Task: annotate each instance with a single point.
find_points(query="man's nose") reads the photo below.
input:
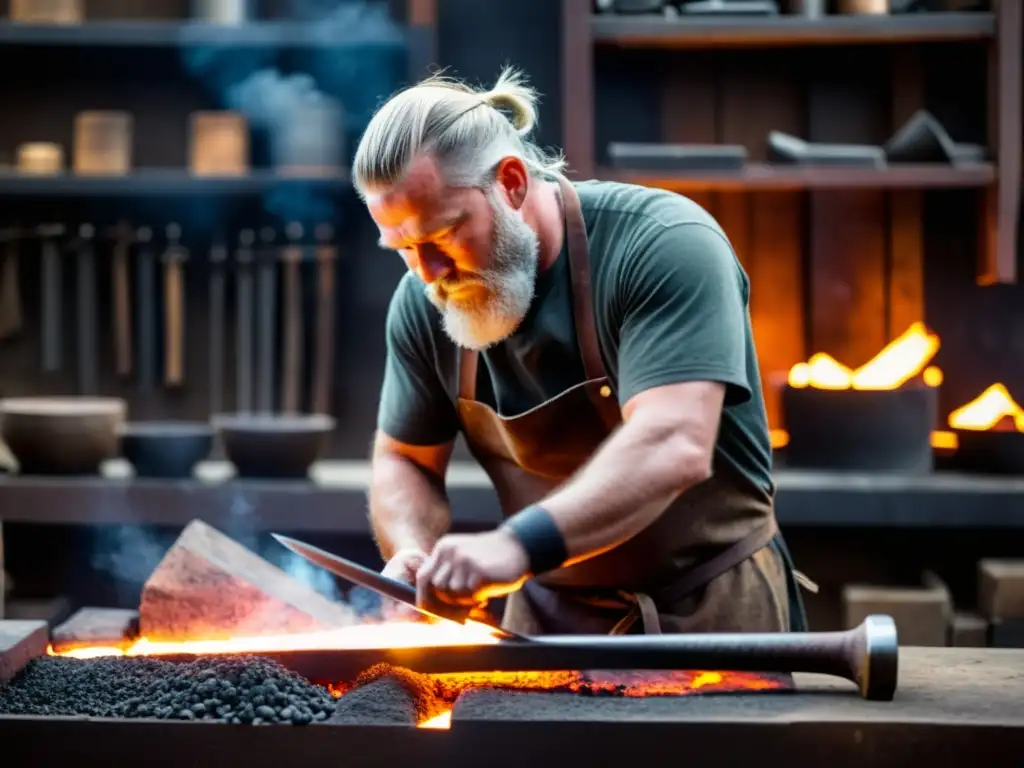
(432, 264)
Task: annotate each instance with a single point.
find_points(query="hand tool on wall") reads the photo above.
(146, 288)
(243, 321)
(52, 299)
(294, 332)
(326, 254)
(218, 257)
(88, 383)
(174, 257)
(267, 278)
(11, 318)
(122, 308)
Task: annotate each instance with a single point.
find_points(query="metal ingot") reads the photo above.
(47, 11)
(103, 143)
(221, 11)
(218, 144)
(866, 7)
(40, 158)
(311, 140)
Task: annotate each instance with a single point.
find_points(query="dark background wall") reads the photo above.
(982, 329)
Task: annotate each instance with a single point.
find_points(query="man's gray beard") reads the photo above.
(509, 285)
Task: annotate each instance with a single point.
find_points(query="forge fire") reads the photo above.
(248, 689)
(185, 655)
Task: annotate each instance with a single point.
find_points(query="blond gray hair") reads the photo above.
(466, 130)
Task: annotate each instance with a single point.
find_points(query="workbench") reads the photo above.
(953, 707)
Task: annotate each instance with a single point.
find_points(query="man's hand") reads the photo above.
(403, 567)
(469, 569)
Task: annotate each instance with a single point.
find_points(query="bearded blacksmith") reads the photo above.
(592, 343)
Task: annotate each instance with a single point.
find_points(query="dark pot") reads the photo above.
(166, 449)
(860, 430)
(271, 446)
(62, 435)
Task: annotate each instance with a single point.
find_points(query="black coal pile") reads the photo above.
(387, 695)
(250, 690)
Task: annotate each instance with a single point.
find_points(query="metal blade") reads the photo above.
(380, 584)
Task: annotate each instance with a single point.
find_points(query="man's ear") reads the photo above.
(513, 180)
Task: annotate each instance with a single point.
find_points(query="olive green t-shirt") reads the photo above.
(671, 305)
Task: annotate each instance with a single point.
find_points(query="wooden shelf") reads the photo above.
(759, 176)
(160, 183)
(174, 34)
(737, 31)
(335, 499)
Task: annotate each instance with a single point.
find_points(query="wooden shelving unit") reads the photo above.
(779, 177)
(158, 33)
(701, 32)
(1001, 30)
(162, 183)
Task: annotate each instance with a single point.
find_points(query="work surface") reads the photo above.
(936, 685)
(953, 707)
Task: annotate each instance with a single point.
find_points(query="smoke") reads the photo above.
(354, 59)
(128, 553)
(242, 529)
(269, 99)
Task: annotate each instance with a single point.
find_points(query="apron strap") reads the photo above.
(644, 606)
(579, 271)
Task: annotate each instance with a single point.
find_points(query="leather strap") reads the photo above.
(582, 298)
(582, 293)
(467, 373)
(645, 606)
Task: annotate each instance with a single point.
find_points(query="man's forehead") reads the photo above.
(420, 192)
(417, 207)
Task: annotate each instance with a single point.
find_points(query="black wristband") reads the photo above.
(536, 531)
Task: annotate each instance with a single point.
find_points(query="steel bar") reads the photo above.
(326, 255)
(145, 286)
(866, 655)
(88, 383)
(174, 308)
(294, 332)
(52, 298)
(121, 305)
(267, 283)
(218, 256)
(243, 322)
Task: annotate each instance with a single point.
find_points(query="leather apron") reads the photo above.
(713, 561)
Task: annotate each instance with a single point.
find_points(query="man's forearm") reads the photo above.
(408, 506)
(627, 484)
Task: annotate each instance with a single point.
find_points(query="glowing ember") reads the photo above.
(630, 684)
(902, 359)
(362, 636)
(992, 409)
(444, 689)
(440, 723)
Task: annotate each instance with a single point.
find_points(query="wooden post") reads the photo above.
(765, 227)
(1001, 201)
(906, 235)
(847, 234)
(578, 89)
